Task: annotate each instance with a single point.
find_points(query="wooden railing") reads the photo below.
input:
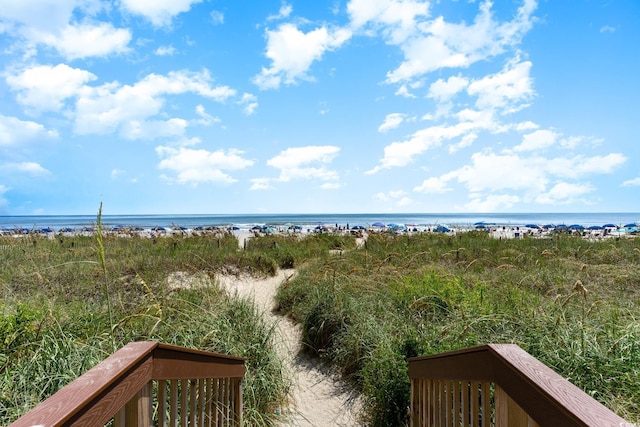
(498, 385)
(148, 383)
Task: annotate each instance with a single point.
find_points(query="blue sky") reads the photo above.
(212, 107)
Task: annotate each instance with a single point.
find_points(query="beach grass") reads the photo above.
(572, 304)
(68, 303)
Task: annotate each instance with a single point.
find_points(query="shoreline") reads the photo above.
(243, 232)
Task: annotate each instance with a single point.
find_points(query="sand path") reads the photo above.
(318, 398)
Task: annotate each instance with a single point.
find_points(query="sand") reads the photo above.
(318, 398)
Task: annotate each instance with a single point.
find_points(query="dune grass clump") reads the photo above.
(68, 303)
(569, 302)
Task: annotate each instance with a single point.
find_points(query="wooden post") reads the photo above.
(137, 412)
(509, 413)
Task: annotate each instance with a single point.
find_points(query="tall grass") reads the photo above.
(67, 303)
(572, 304)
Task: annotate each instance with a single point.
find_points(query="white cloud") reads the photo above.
(45, 88)
(14, 131)
(433, 185)
(217, 18)
(116, 173)
(297, 163)
(45, 15)
(564, 193)
(443, 91)
(398, 154)
(284, 12)
(506, 90)
(391, 121)
(538, 140)
(608, 29)
(30, 168)
(434, 44)
(113, 107)
(87, 40)
(397, 197)
(250, 103)
(205, 119)
(165, 51)
(201, 166)
(158, 12)
(397, 19)
(261, 184)
(502, 180)
(292, 52)
(492, 203)
(635, 182)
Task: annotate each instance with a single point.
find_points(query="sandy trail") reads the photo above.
(318, 398)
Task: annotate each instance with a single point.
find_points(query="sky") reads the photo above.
(342, 106)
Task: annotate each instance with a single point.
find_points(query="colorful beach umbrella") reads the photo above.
(377, 224)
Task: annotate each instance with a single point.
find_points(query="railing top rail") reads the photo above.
(94, 397)
(546, 396)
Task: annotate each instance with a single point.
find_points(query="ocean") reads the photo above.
(246, 221)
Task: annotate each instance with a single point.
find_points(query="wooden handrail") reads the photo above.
(546, 397)
(95, 397)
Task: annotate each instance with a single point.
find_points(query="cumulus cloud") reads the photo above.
(500, 180)
(538, 140)
(284, 12)
(433, 44)
(45, 87)
(88, 40)
(165, 50)
(397, 197)
(396, 19)
(201, 166)
(433, 185)
(113, 107)
(159, 12)
(444, 90)
(292, 52)
(68, 26)
(14, 131)
(302, 163)
(30, 168)
(635, 182)
(217, 17)
(509, 90)
(391, 121)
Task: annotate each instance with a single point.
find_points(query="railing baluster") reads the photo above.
(173, 403)
(184, 402)
(193, 402)
(162, 403)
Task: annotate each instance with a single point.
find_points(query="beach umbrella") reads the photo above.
(595, 227)
(576, 227)
(377, 224)
(479, 223)
(609, 226)
(532, 226)
(357, 227)
(630, 225)
(561, 226)
(235, 227)
(548, 226)
(480, 227)
(47, 230)
(441, 229)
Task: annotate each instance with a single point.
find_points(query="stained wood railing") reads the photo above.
(498, 385)
(148, 383)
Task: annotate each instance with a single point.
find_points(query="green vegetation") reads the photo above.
(573, 304)
(68, 303)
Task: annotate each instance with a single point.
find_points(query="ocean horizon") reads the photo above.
(57, 222)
